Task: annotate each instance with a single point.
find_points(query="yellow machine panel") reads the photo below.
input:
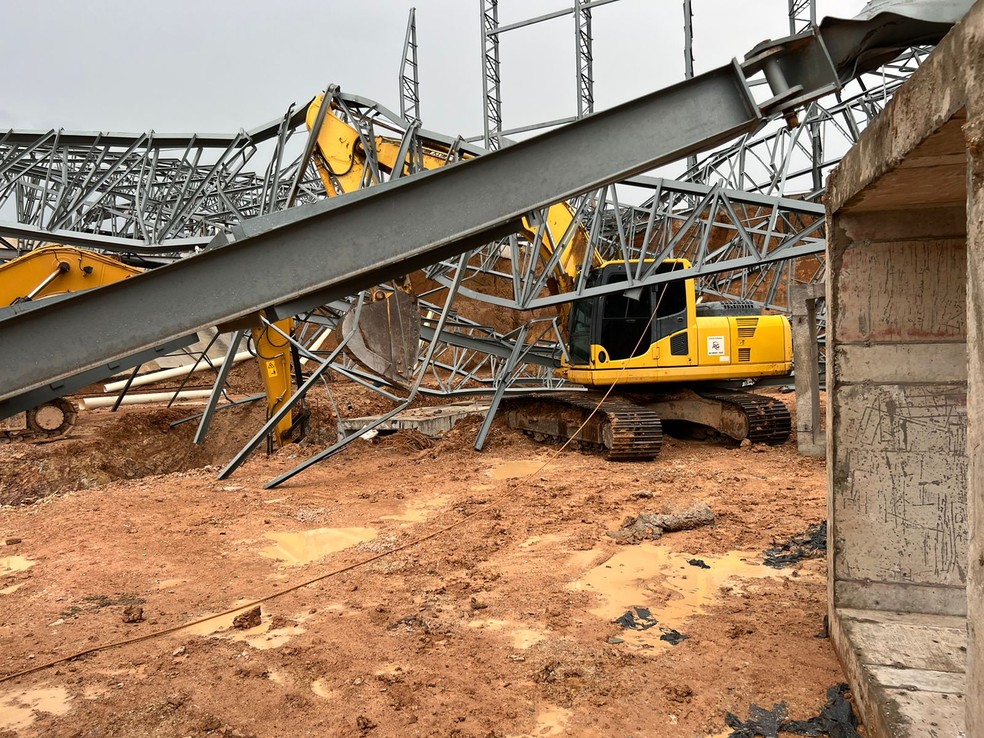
(655, 335)
(54, 270)
(273, 355)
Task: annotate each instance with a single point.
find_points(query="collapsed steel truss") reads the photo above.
(747, 216)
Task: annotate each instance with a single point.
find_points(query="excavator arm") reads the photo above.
(56, 270)
(343, 165)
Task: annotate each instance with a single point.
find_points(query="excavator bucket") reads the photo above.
(387, 337)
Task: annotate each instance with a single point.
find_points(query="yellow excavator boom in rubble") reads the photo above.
(342, 164)
(55, 270)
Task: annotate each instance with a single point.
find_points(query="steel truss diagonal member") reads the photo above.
(313, 254)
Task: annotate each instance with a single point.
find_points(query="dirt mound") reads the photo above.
(134, 443)
(465, 431)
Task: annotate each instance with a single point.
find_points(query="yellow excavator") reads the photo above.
(45, 272)
(667, 353)
(55, 270)
(670, 359)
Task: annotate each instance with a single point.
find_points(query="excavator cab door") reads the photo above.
(580, 333)
(625, 329)
(670, 304)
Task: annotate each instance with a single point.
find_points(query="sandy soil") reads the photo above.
(502, 626)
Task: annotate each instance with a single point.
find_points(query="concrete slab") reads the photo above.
(430, 421)
(907, 671)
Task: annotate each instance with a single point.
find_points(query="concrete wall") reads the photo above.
(898, 407)
(975, 403)
(906, 399)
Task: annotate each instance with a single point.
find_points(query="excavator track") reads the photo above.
(737, 415)
(769, 420)
(623, 430)
(45, 422)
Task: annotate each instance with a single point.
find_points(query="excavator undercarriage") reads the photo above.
(626, 427)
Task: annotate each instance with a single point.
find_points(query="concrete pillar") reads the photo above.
(975, 431)
(810, 436)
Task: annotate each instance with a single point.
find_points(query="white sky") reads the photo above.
(221, 65)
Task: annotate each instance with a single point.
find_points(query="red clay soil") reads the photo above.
(502, 626)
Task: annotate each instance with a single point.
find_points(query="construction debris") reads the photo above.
(836, 719)
(642, 619)
(133, 614)
(651, 526)
(809, 545)
(672, 636)
(246, 620)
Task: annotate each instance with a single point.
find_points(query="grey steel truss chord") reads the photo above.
(491, 74)
(218, 388)
(688, 54)
(409, 80)
(802, 16)
(501, 384)
(583, 58)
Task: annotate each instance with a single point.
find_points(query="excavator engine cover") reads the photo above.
(387, 337)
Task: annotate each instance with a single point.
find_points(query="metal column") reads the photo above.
(491, 74)
(409, 80)
(584, 58)
(802, 15)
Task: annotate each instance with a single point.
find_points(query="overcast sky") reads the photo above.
(221, 65)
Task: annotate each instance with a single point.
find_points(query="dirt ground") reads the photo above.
(501, 626)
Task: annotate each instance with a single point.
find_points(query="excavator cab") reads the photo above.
(635, 325)
(658, 334)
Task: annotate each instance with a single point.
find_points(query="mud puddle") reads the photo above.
(305, 547)
(664, 583)
(13, 564)
(263, 637)
(18, 710)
